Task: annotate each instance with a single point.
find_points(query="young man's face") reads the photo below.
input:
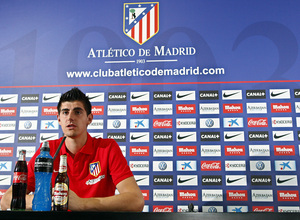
(73, 119)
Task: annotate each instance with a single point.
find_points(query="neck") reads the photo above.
(75, 144)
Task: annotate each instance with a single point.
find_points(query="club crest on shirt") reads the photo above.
(95, 168)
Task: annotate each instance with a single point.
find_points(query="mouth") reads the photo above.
(71, 126)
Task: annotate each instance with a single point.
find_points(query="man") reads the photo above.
(90, 189)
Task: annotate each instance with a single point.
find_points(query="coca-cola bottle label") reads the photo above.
(20, 177)
(60, 195)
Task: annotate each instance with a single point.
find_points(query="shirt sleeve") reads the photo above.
(119, 169)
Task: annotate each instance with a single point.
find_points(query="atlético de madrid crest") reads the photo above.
(140, 21)
(95, 168)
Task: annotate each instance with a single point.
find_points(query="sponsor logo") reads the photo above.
(209, 123)
(232, 108)
(117, 96)
(162, 109)
(161, 96)
(232, 94)
(143, 180)
(49, 111)
(187, 180)
(9, 99)
(256, 94)
(236, 209)
(280, 94)
(235, 165)
(30, 98)
(262, 195)
(48, 136)
(285, 165)
(185, 95)
(98, 110)
(210, 150)
(96, 124)
(139, 123)
(5, 166)
(210, 136)
(288, 195)
(139, 165)
(186, 165)
(139, 96)
(257, 122)
(5, 180)
(139, 136)
(260, 165)
(116, 110)
(145, 194)
(8, 111)
(163, 208)
(187, 195)
(209, 180)
(297, 93)
(235, 150)
(186, 109)
(233, 122)
(258, 135)
(7, 138)
(284, 150)
(162, 123)
(234, 136)
(209, 95)
(29, 111)
(7, 125)
(282, 122)
(162, 151)
(139, 151)
(256, 108)
(237, 195)
(212, 195)
(162, 165)
(281, 107)
(163, 180)
(186, 136)
(49, 125)
(236, 180)
(116, 124)
(283, 135)
(29, 150)
(162, 136)
(262, 208)
(26, 138)
(6, 151)
(186, 150)
(211, 166)
(27, 125)
(286, 180)
(139, 109)
(118, 137)
(163, 195)
(51, 97)
(185, 122)
(95, 96)
(259, 150)
(261, 180)
(209, 108)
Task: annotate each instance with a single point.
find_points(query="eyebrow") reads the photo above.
(75, 109)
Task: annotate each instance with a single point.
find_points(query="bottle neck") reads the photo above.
(22, 156)
(63, 164)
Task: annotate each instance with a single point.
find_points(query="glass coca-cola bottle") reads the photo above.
(61, 187)
(19, 186)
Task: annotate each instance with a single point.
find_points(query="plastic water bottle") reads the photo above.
(43, 168)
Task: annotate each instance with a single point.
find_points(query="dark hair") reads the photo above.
(75, 94)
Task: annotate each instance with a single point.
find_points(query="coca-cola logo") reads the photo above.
(263, 209)
(257, 122)
(210, 165)
(162, 123)
(162, 208)
(20, 177)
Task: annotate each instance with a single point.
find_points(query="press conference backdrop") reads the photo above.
(203, 97)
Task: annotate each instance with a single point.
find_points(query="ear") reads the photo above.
(90, 118)
(58, 118)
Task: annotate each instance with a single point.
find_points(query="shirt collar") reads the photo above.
(86, 149)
